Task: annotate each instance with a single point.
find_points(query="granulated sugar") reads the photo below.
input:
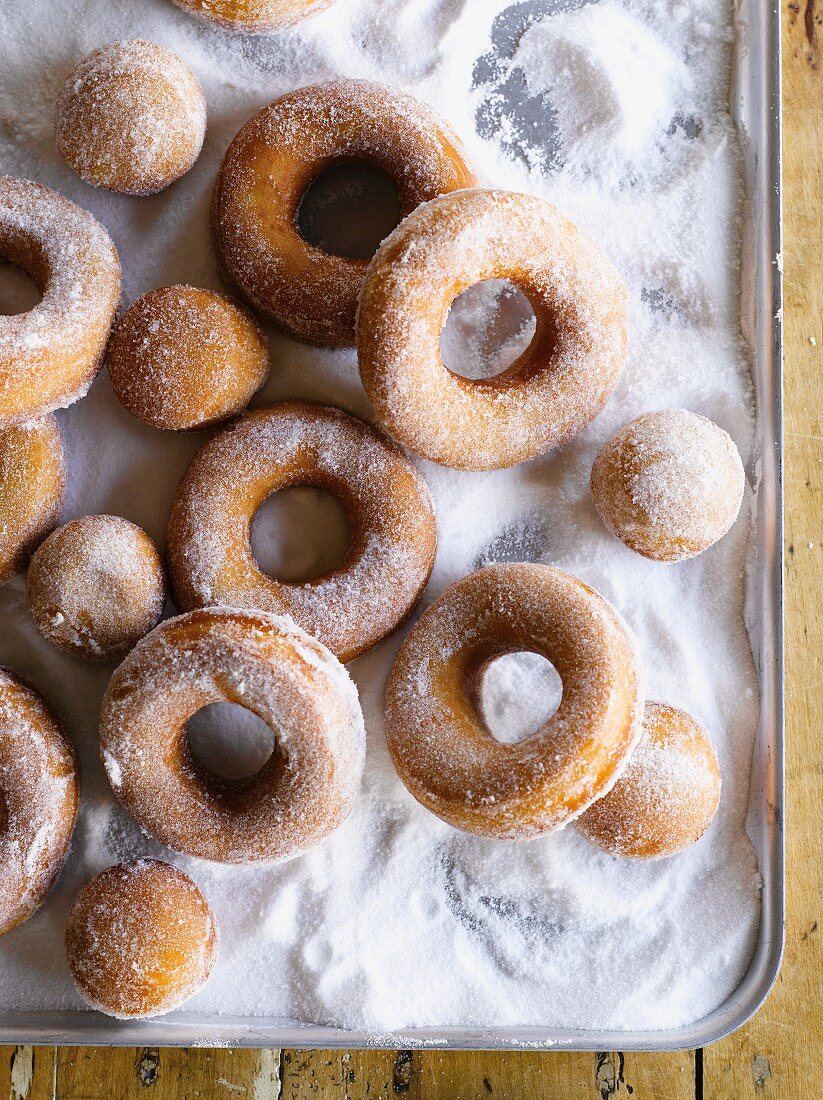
(615, 111)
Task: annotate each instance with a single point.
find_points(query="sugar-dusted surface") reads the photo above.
(253, 16)
(479, 937)
(39, 792)
(131, 117)
(32, 484)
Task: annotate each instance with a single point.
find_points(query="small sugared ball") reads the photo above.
(669, 484)
(667, 796)
(131, 117)
(253, 16)
(96, 586)
(141, 939)
(182, 357)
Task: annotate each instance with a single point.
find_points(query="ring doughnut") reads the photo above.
(32, 482)
(131, 118)
(551, 392)
(253, 16)
(669, 484)
(267, 664)
(181, 358)
(50, 355)
(39, 795)
(438, 741)
(140, 939)
(270, 165)
(390, 512)
(95, 586)
(668, 794)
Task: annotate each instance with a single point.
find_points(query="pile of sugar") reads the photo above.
(397, 920)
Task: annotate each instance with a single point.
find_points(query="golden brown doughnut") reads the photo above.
(551, 392)
(140, 939)
(391, 515)
(270, 165)
(39, 794)
(268, 665)
(669, 484)
(182, 357)
(131, 117)
(50, 355)
(253, 16)
(32, 482)
(438, 740)
(96, 586)
(666, 797)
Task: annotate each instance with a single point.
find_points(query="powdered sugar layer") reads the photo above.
(552, 932)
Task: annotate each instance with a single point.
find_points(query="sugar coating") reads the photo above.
(548, 395)
(39, 793)
(670, 484)
(271, 163)
(141, 939)
(131, 117)
(436, 733)
(268, 665)
(96, 585)
(50, 354)
(253, 16)
(182, 357)
(392, 518)
(667, 795)
(32, 484)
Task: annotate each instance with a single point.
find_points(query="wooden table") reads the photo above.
(774, 1055)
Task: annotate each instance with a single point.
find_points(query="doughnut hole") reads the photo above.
(140, 939)
(229, 741)
(348, 209)
(19, 293)
(489, 326)
(300, 534)
(517, 693)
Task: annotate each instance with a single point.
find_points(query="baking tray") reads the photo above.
(755, 106)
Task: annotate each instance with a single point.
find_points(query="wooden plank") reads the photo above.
(770, 1057)
(458, 1075)
(151, 1073)
(27, 1073)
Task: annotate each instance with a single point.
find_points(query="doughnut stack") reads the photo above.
(641, 779)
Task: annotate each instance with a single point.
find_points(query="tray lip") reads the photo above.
(182, 1029)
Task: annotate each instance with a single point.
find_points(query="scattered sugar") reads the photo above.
(396, 920)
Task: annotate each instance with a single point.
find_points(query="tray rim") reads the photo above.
(87, 1028)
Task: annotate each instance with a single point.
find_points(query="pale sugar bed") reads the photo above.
(397, 920)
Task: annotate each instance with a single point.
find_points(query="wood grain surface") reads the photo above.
(772, 1056)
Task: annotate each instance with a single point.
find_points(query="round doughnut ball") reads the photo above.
(131, 118)
(667, 796)
(39, 794)
(182, 357)
(670, 484)
(253, 16)
(32, 480)
(96, 586)
(140, 939)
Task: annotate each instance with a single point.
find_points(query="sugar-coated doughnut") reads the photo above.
(32, 482)
(666, 797)
(438, 740)
(39, 794)
(669, 484)
(253, 16)
(390, 512)
(551, 391)
(182, 357)
(268, 665)
(270, 165)
(140, 939)
(96, 586)
(131, 117)
(50, 355)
